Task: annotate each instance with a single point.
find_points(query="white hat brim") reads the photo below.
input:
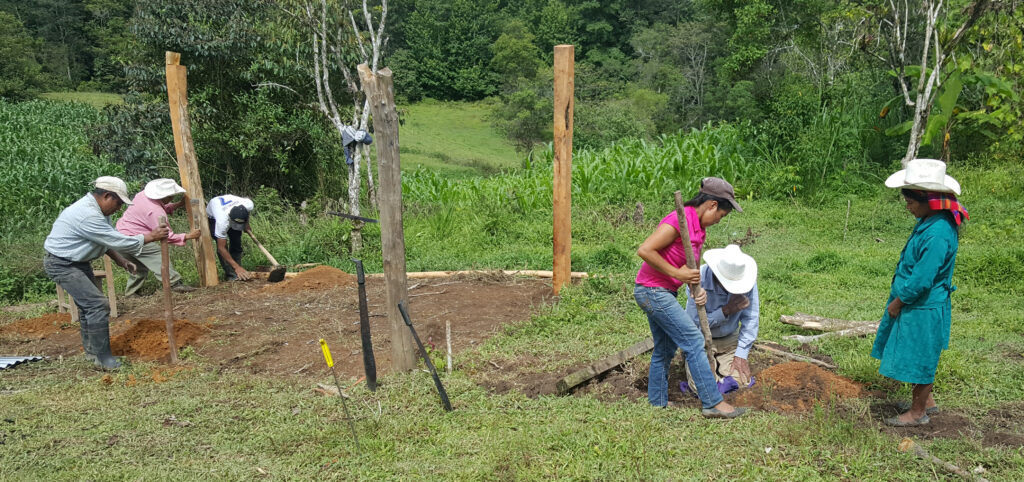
(743, 285)
(898, 180)
(154, 191)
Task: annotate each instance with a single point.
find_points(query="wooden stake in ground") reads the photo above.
(562, 165)
(330, 364)
(448, 341)
(165, 276)
(188, 167)
(691, 261)
(380, 96)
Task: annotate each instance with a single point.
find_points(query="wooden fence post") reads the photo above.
(379, 91)
(562, 201)
(177, 99)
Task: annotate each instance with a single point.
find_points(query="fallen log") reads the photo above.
(820, 323)
(794, 356)
(574, 379)
(908, 445)
(865, 329)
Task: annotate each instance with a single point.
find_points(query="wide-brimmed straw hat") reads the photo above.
(734, 269)
(161, 188)
(925, 175)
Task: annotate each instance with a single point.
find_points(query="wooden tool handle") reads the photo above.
(165, 277)
(691, 262)
(264, 250)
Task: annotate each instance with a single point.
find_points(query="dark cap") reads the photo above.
(720, 188)
(239, 215)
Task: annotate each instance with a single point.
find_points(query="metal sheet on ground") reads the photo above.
(10, 361)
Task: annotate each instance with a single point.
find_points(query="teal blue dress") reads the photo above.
(910, 344)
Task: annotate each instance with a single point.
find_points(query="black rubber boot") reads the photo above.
(85, 342)
(98, 337)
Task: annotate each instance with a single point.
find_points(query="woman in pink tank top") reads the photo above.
(657, 283)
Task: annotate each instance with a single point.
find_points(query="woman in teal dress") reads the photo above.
(915, 326)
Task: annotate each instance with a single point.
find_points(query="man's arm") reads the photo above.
(222, 248)
(750, 319)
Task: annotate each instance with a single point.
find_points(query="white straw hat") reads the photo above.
(926, 175)
(161, 188)
(735, 270)
(114, 185)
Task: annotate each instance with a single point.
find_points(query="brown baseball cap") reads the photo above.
(720, 188)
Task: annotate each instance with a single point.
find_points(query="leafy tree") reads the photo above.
(19, 72)
(64, 53)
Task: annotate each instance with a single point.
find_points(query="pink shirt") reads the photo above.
(673, 253)
(143, 216)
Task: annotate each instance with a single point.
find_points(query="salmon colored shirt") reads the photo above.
(673, 253)
(143, 216)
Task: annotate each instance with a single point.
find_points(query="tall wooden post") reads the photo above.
(564, 88)
(177, 99)
(380, 93)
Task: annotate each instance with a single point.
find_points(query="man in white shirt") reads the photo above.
(228, 216)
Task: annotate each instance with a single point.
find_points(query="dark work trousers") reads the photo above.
(234, 249)
(76, 278)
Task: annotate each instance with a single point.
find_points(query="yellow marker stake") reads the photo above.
(330, 364)
(327, 353)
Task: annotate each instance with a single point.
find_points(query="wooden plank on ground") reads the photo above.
(794, 356)
(820, 323)
(576, 378)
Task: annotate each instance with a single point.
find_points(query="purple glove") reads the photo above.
(726, 385)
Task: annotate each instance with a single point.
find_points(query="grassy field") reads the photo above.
(455, 138)
(63, 420)
(98, 100)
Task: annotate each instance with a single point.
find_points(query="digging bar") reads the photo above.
(165, 275)
(691, 261)
(369, 363)
(426, 359)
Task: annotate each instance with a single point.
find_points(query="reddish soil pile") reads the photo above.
(319, 278)
(41, 327)
(796, 387)
(147, 339)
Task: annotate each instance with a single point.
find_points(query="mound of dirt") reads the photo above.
(319, 278)
(41, 327)
(147, 339)
(796, 387)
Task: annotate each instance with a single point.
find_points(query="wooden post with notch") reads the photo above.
(188, 167)
(562, 201)
(379, 90)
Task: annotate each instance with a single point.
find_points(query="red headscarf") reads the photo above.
(946, 201)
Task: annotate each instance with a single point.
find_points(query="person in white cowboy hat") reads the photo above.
(734, 311)
(81, 234)
(916, 322)
(143, 215)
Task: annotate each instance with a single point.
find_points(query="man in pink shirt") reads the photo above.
(142, 217)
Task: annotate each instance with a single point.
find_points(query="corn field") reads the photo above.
(628, 171)
(45, 162)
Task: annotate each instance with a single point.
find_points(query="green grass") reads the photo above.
(67, 424)
(454, 138)
(98, 100)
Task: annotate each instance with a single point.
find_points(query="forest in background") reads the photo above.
(810, 82)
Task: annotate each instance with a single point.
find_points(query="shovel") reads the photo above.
(276, 274)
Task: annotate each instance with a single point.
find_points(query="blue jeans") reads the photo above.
(672, 328)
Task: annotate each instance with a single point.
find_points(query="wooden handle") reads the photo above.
(691, 262)
(165, 277)
(264, 250)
